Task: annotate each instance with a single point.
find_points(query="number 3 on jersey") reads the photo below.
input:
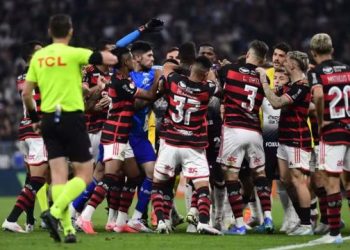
(182, 113)
(251, 97)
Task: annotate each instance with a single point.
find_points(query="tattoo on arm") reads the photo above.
(276, 101)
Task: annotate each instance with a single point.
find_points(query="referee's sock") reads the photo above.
(69, 192)
(41, 196)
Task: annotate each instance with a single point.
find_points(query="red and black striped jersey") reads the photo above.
(119, 121)
(94, 120)
(25, 126)
(293, 129)
(188, 101)
(334, 78)
(243, 96)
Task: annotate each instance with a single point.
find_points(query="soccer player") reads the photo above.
(96, 79)
(115, 132)
(331, 95)
(143, 154)
(270, 120)
(173, 53)
(294, 148)
(55, 70)
(185, 139)
(214, 129)
(35, 157)
(241, 134)
(207, 50)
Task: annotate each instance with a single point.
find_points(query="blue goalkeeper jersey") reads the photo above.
(142, 80)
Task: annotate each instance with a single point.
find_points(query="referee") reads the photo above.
(56, 70)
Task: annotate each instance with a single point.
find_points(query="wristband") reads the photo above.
(33, 115)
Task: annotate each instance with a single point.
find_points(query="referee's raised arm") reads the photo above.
(56, 70)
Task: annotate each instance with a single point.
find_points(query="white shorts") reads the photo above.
(95, 143)
(237, 144)
(114, 151)
(37, 153)
(314, 159)
(193, 161)
(129, 152)
(296, 157)
(334, 158)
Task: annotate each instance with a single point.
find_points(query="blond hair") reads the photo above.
(301, 58)
(321, 43)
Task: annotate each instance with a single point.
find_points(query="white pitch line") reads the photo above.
(296, 246)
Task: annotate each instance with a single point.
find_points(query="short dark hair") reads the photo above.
(140, 47)
(119, 52)
(170, 61)
(203, 62)
(172, 49)
(27, 49)
(60, 25)
(206, 45)
(285, 47)
(101, 44)
(187, 53)
(260, 48)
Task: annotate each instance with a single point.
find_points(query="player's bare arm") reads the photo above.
(277, 102)
(318, 100)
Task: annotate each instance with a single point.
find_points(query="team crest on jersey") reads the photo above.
(327, 70)
(182, 84)
(244, 70)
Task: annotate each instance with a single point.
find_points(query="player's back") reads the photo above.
(188, 105)
(56, 69)
(243, 96)
(335, 80)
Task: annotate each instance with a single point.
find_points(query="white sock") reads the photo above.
(188, 196)
(88, 212)
(239, 222)
(194, 211)
(267, 214)
(72, 211)
(282, 192)
(255, 208)
(112, 215)
(122, 218)
(137, 215)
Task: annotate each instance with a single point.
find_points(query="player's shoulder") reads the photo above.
(330, 67)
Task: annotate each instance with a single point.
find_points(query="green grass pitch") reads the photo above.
(39, 239)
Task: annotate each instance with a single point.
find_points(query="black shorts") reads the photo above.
(271, 163)
(66, 138)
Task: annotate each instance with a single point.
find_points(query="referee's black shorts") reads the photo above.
(67, 137)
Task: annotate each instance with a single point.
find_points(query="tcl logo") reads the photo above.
(51, 61)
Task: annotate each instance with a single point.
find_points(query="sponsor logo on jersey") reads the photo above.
(244, 70)
(327, 70)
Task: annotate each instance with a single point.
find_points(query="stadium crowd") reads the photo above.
(228, 25)
(229, 119)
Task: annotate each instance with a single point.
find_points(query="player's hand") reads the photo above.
(153, 25)
(37, 127)
(101, 82)
(262, 74)
(103, 103)
(224, 62)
